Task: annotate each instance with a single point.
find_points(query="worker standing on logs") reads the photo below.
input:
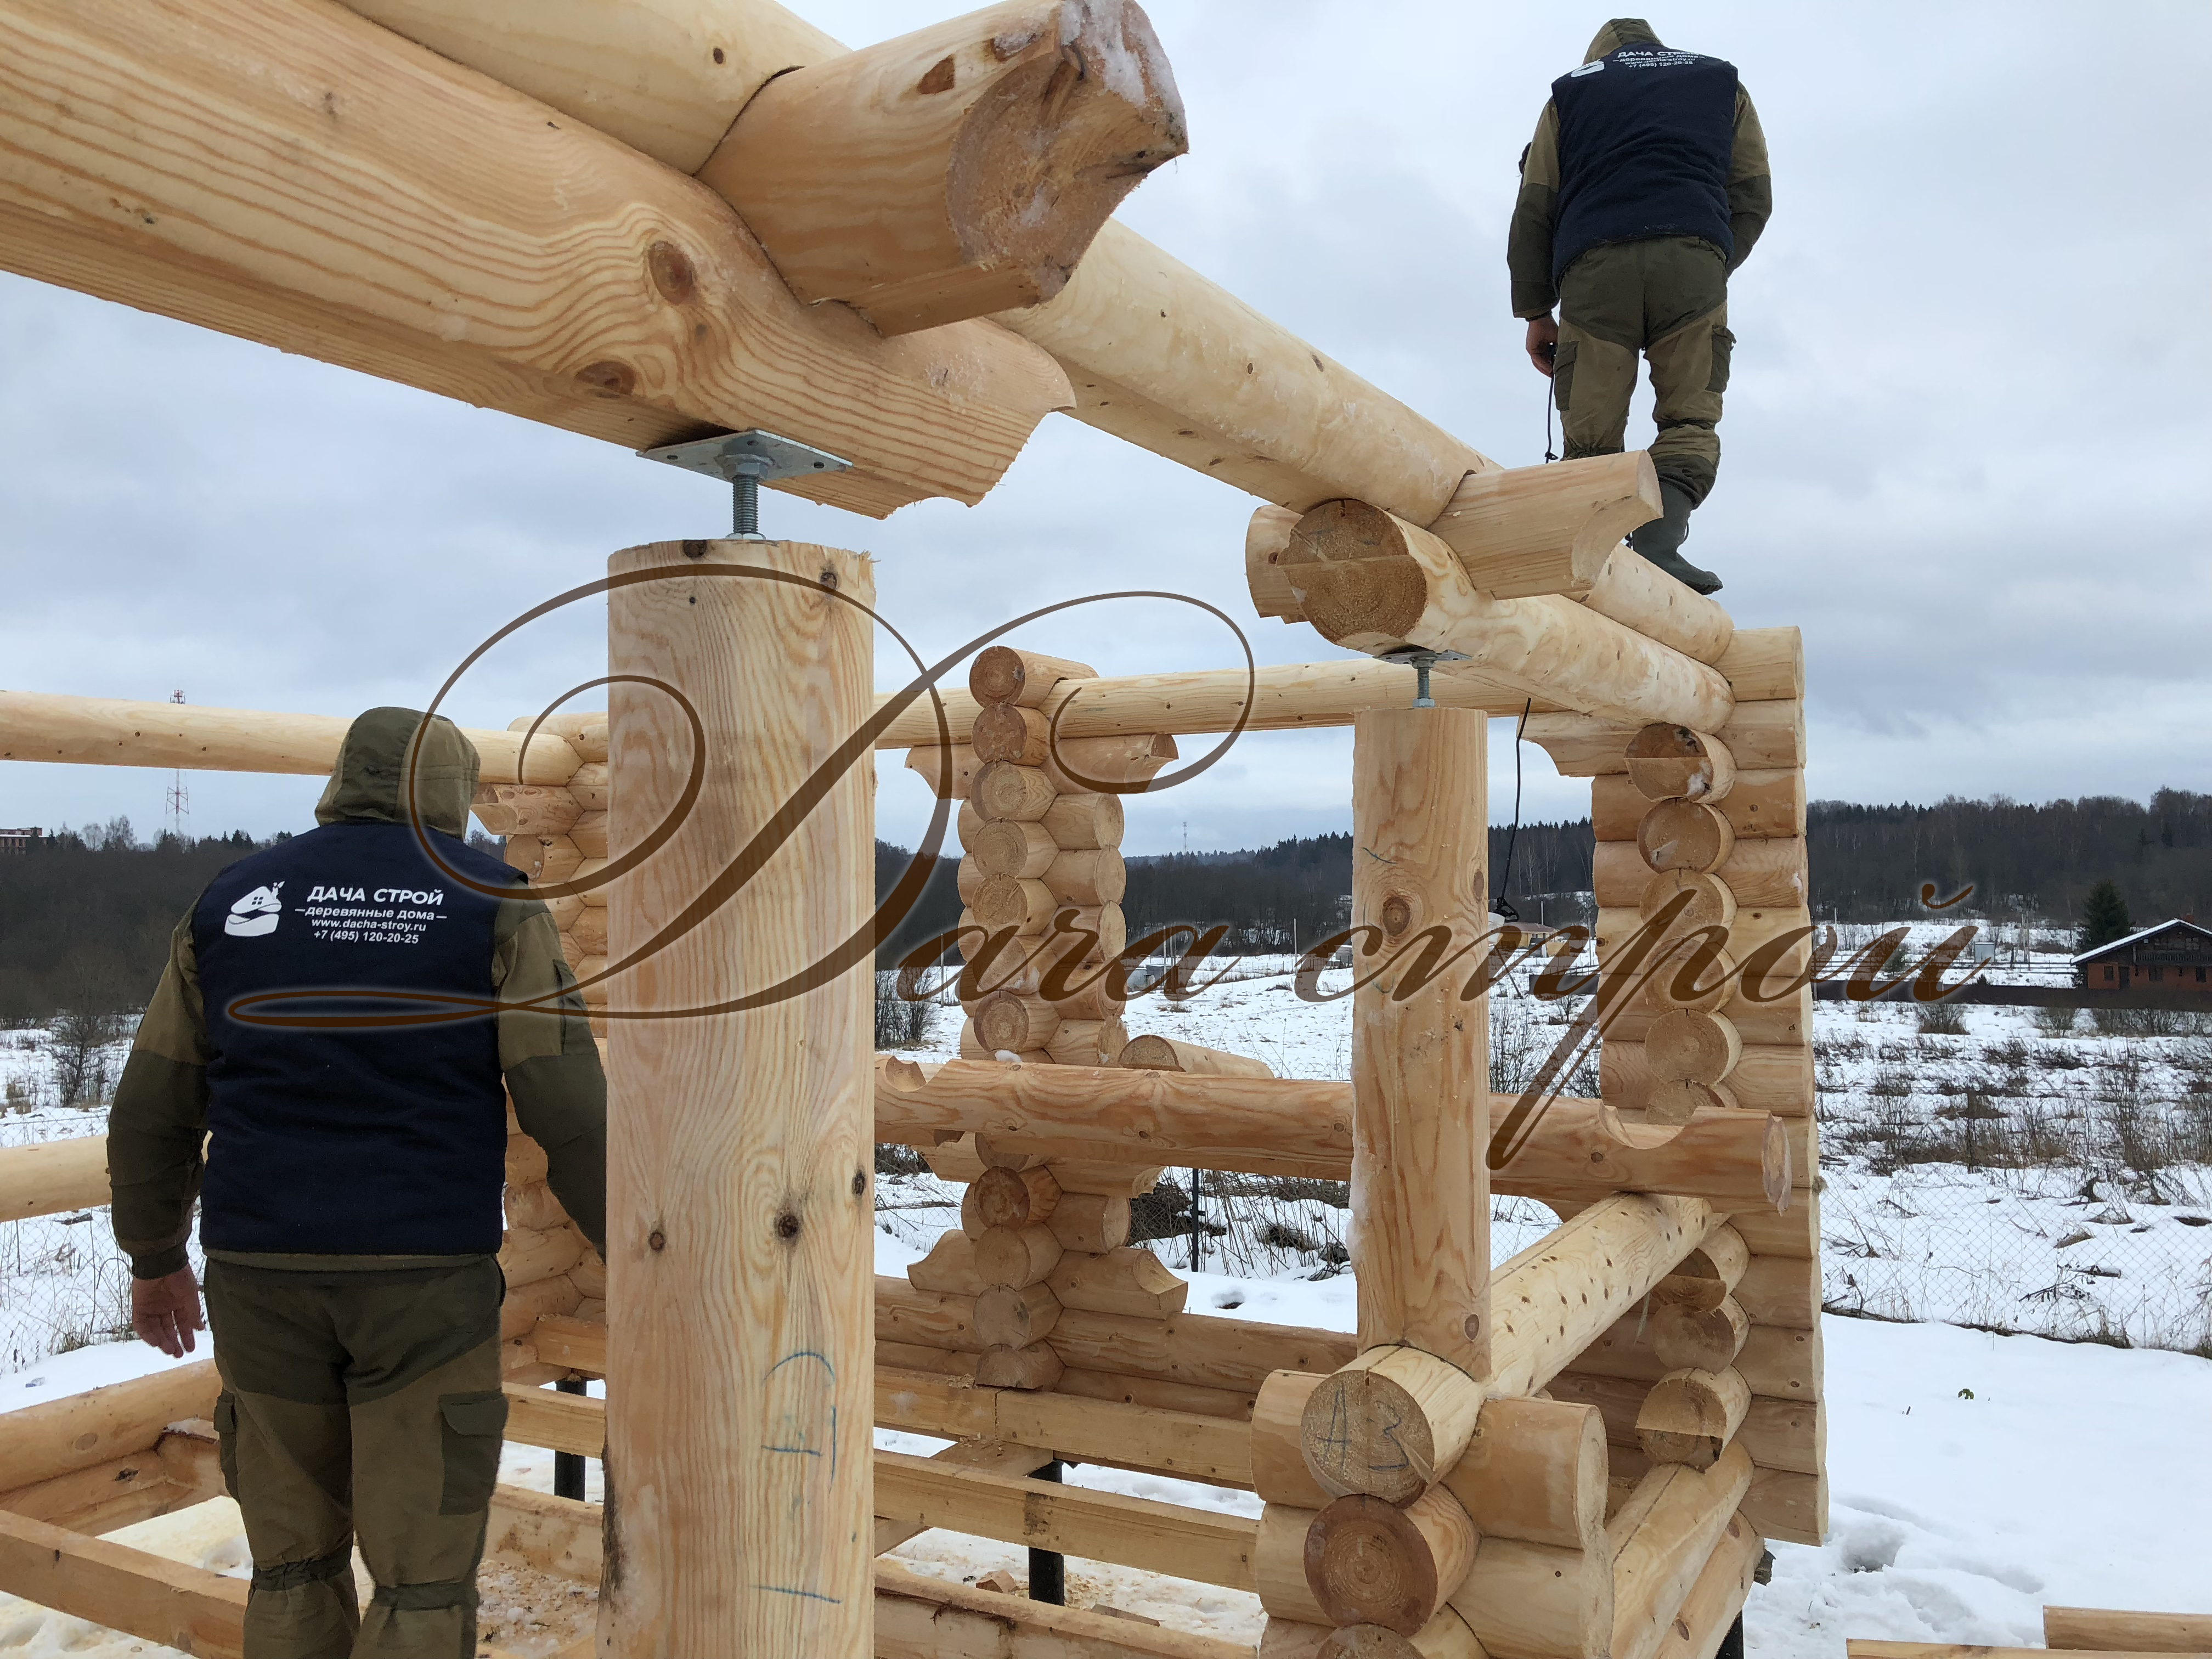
(351, 1188)
(1645, 188)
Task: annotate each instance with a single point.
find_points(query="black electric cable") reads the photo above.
(1501, 906)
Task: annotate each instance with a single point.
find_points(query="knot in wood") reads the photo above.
(787, 1225)
(657, 1241)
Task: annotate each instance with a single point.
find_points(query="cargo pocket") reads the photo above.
(1723, 351)
(472, 1432)
(226, 1440)
(1563, 373)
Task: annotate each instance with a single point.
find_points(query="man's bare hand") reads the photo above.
(167, 1311)
(1543, 343)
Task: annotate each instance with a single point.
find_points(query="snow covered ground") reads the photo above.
(2008, 1175)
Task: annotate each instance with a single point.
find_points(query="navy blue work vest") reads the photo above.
(369, 1141)
(1646, 135)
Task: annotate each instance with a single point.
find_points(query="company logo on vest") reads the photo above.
(255, 914)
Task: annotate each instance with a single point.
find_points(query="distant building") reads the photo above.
(2174, 954)
(19, 841)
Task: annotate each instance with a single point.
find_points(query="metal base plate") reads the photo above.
(750, 454)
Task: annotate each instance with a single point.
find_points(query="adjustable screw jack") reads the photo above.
(746, 459)
(1420, 661)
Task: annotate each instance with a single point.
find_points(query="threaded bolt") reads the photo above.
(746, 508)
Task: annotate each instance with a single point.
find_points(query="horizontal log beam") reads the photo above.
(1371, 581)
(1133, 1532)
(1285, 1126)
(52, 1176)
(919, 1616)
(38, 1442)
(131, 1590)
(111, 732)
(2109, 1628)
(300, 177)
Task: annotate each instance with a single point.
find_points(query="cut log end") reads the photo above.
(1371, 1563)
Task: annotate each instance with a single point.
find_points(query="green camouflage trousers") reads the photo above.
(360, 1405)
(1666, 297)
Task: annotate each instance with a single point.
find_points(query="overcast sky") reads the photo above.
(1968, 447)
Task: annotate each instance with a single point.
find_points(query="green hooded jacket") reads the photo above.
(157, 1128)
(1529, 241)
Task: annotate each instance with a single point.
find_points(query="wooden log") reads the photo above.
(1280, 1474)
(2113, 1628)
(996, 1455)
(1691, 1415)
(1537, 1601)
(1153, 1053)
(752, 1225)
(1087, 1042)
(1763, 804)
(1016, 1256)
(1004, 1020)
(1379, 584)
(956, 171)
(949, 1266)
(533, 1206)
(1266, 536)
(1765, 873)
(950, 773)
(1079, 764)
(1705, 1278)
(1534, 1471)
(1530, 530)
(1279, 1566)
(1777, 1364)
(920, 1617)
(1685, 835)
(524, 1305)
(1081, 822)
(1280, 1126)
(1710, 901)
(1389, 1424)
(1014, 1319)
(53, 1177)
(1686, 1046)
(1706, 1338)
(526, 1256)
(1637, 593)
(1088, 876)
(1001, 790)
(1035, 1366)
(1783, 1291)
(126, 1589)
(1126, 1279)
(1660, 1539)
(1089, 1223)
(1214, 1353)
(1715, 1600)
(1419, 1059)
(111, 732)
(1007, 1198)
(528, 809)
(1765, 663)
(104, 1497)
(1551, 1300)
(1027, 907)
(1107, 1180)
(1444, 1637)
(647, 76)
(1672, 763)
(1008, 846)
(594, 289)
(1003, 731)
(1167, 1538)
(60, 1437)
(1165, 359)
(1369, 1562)
(1791, 1507)
(1159, 1394)
(1007, 674)
(589, 783)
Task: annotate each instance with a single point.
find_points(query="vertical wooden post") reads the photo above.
(740, 1342)
(1421, 1187)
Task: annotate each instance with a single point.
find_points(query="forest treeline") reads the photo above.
(85, 917)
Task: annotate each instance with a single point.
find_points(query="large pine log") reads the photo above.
(1419, 1057)
(1547, 529)
(51, 1176)
(1661, 1539)
(2117, 1628)
(958, 170)
(131, 1590)
(298, 176)
(1371, 580)
(738, 1251)
(59, 1437)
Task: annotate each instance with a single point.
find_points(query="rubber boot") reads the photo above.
(1660, 540)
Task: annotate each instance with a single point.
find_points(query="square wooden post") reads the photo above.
(740, 1341)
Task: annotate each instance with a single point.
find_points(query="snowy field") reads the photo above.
(2006, 1174)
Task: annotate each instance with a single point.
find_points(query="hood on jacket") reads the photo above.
(1620, 32)
(366, 785)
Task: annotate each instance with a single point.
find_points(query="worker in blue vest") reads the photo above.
(350, 1180)
(1645, 188)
